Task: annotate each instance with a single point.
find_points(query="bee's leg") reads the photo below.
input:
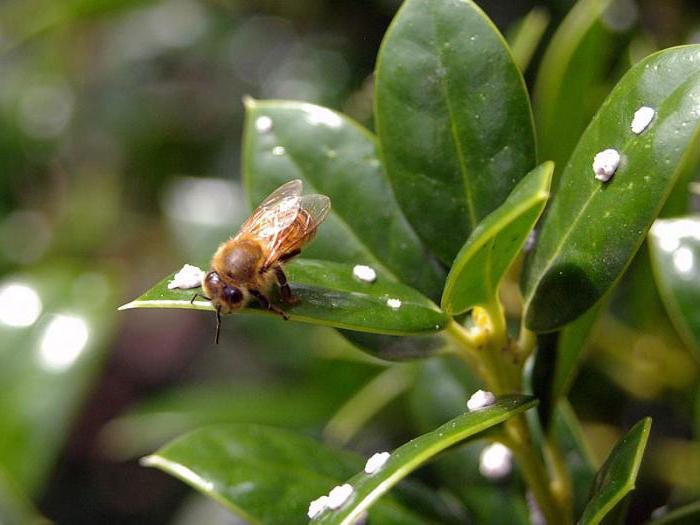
(218, 324)
(198, 295)
(265, 303)
(285, 290)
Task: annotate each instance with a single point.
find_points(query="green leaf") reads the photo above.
(675, 251)
(572, 79)
(495, 243)
(592, 229)
(15, 507)
(329, 296)
(263, 474)
(368, 488)
(617, 476)
(526, 34)
(557, 361)
(685, 515)
(453, 119)
(48, 366)
(335, 156)
(151, 423)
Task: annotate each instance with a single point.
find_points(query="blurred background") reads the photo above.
(120, 129)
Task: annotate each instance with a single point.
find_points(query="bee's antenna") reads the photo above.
(218, 324)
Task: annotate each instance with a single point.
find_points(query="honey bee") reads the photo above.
(246, 266)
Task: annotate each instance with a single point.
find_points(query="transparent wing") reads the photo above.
(313, 209)
(275, 213)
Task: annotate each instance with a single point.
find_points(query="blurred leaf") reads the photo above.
(368, 488)
(453, 118)
(47, 364)
(397, 347)
(493, 245)
(566, 429)
(329, 296)
(153, 422)
(685, 515)
(264, 474)
(15, 508)
(572, 79)
(675, 250)
(526, 34)
(367, 402)
(617, 476)
(592, 229)
(557, 361)
(334, 156)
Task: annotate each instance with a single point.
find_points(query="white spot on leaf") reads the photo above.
(480, 399)
(339, 495)
(188, 277)
(605, 164)
(642, 118)
(394, 303)
(376, 462)
(263, 124)
(278, 151)
(496, 461)
(364, 273)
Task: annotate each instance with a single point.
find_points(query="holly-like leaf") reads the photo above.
(675, 251)
(453, 119)
(593, 229)
(495, 243)
(264, 474)
(368, 488)
(330, 296)
(617, 476)
(335, 156)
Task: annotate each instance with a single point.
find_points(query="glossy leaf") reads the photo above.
(495, 243)
(335, 156)
(329, 296)
(557, 361)
(264, 474)
(453, 118)
(526, 34)
(617, 476)
(572, 79)
(592, 229)
(368, 488)
(685, 515)
(675, 254)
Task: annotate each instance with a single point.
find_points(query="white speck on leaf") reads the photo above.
(376, 462)
(364, 273)
(263, 124)
(394, 303)
(605, 164)
(317, 506)
(642, 118)
(278, 151)
(338, 496)
(188, 277)
(480, 399)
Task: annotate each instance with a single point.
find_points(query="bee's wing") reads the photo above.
(275, 213)
(313, 209)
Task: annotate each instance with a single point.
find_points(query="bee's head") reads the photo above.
(224, 297)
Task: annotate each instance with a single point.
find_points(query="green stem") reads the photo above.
(486, 349)
(561, 482)
(366, 402)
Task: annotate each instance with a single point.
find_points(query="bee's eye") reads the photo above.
(233, 295)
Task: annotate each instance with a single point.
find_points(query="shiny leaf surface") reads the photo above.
(493, 245)
(330, 296)
(264, 474)
(453, 119)
(368, 488)
(617, 476)
(592, 229)
(335, 156)
(675, 254)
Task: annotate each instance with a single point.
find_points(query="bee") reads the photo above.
(246, 266)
